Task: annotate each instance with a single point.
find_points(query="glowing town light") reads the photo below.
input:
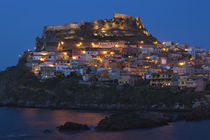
(68, 64)
(155, 42)
(92, 44)
(146, 67)
(42, 59)
(62, 43)
(140, 47)
(112, 53)
(141, 42)
(116, 46)
(83, 52)
(74, 57)
(36, 69)
(186, 49)
(147, 57)
(65, 53)
(156, 61)
(181, 63)
(98, 58)
(104, 52)
(165, 49)
(51, 65)
(59, 46)
(79, 44)
(43, 53)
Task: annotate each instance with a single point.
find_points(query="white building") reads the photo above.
(65, 69)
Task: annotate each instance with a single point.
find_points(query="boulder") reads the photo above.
(133, 120)
(195, 115)
(47, 131)
(71, 126)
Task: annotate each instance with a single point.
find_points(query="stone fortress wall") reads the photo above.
(96, 24)
(117, 15)
(64, 27)
(99, 28)
(138, 19)
(110, 24)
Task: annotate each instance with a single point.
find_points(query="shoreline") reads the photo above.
(98, 108)
(144, 118)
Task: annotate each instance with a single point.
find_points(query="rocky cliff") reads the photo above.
(121, 27)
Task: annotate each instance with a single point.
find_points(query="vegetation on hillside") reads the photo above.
(18, 84)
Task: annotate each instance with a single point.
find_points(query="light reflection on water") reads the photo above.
(28, 124)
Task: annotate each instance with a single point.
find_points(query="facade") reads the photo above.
(183, 70)
(47, 72)
(160, 80)
(197, 84)
(124, 78)
(182, 82)
(162, 65)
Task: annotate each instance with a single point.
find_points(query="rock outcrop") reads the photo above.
(70, 126)
(133, 120)
(195, 115)
(47, 131)
(121, 27)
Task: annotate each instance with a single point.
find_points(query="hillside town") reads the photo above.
(123, 62)
(163, 64)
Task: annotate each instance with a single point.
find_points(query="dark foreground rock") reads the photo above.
(70, 126)
(195, 115)
(133, 120)
(47, 131)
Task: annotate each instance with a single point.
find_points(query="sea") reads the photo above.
(29, 124)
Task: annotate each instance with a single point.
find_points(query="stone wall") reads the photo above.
(117, 15)
(63, 27)
(121, 27)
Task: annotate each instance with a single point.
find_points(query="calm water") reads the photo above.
(28, 124)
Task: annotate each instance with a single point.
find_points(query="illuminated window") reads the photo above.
(104, 52)
(79, 44)
(141, 42)
(155, 42)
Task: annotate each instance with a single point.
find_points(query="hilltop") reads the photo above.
(121, 27)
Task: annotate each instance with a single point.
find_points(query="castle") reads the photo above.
(120, 28)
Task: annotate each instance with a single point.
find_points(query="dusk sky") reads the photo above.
(182, 21)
